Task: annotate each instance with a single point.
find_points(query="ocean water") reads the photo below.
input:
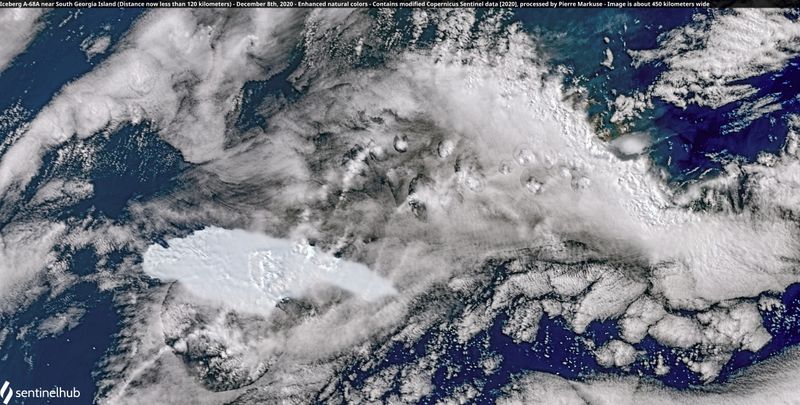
(696, 142)
(69, 359)
(689, 144)
(54, 57)
(560, 351)
(134, 163)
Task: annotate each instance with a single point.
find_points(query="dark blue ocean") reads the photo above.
(135, 165)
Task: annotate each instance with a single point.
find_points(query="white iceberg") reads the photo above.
(251, 272)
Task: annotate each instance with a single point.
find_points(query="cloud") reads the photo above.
(18, 26)
(25, 251)
(770, 382)
(61, 322)
(93, 46)
(424, 173)
(480, 124)
(181, 70)
(706, 58)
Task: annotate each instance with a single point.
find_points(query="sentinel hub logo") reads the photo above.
(6, 393)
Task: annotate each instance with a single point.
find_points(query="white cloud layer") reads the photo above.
(418, 172)
(18, 26)
(492, 162)
(771, 382)
(706, 57)
(182, 70)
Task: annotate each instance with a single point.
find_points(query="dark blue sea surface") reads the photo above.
(135, 164)
(54, 57)
(697, 141)
(557, 350)
(69, 359)
(689, 143)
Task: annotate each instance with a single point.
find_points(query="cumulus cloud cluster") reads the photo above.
(414, 178)
(379, 205)
(708, 61)
(706, 58)
(771, 382)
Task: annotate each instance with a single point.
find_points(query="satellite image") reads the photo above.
(394, 205)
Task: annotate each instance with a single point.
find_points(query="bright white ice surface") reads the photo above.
(251, 272)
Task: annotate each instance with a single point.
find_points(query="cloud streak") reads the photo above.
(414, 179)
(18, 26)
